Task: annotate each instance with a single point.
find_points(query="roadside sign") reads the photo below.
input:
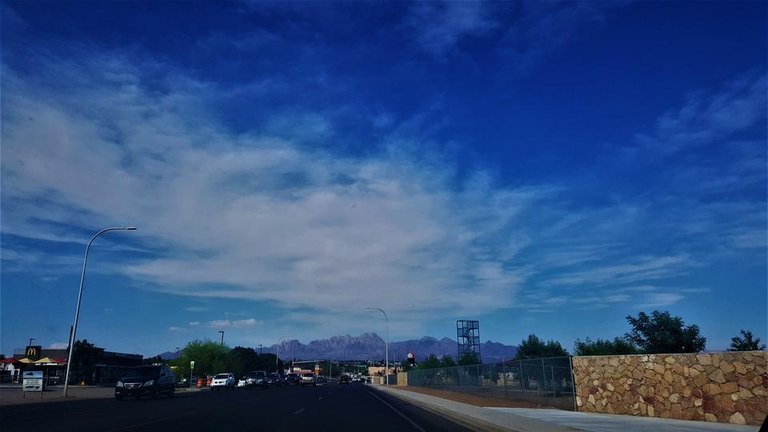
(33, 381)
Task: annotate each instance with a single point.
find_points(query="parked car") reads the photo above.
(308, 378)
(224, 381)
(292, 379)
(344, 379)
(256, 379)
(275, 379)
(146, 381)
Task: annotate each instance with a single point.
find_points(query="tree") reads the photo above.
(85, 355)
(209, 357)
(431, 362)
(152, 360)
(533, 347)
(468, 359)
(662, 333)
(447, 361)
(745, 342)
(619, 346)
(243, 360)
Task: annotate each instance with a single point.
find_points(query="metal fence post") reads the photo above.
(504, 375)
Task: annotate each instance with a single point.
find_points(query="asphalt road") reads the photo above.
(330, 407)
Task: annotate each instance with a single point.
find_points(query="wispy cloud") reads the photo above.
(521, 33)
(706, 117)
(222, 324)
(260, 215)
(440, 25)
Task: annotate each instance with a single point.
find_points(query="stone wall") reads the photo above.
(729, 387)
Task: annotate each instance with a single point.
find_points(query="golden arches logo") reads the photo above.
(31, 351)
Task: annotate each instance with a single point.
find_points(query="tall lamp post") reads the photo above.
(222, 337)
(386, 347)
(80, 297)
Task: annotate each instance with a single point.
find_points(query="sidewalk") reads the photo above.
(485, 416)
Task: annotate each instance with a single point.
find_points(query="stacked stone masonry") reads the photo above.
(727, 387)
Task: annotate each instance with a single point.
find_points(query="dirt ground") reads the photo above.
(473, 399)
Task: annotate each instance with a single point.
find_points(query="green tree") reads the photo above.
(745, 342)
(431, 362)
(85, 355)
(468, 359)
(447, 361)
(209, 357)
(618, 346)
(152, 360)
(533, 347)
(663, 333)
(243, 360)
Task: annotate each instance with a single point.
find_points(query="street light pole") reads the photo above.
(386, 347)
(30, 341)
(222, 337)
(80, 297)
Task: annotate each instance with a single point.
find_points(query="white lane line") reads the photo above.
(299, 411)
(398, 412)
(320, 398)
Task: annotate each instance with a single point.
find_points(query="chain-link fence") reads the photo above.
(544, 380)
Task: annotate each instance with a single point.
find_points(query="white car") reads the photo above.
(223, 381)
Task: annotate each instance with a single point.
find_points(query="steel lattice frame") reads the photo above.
(468, 337)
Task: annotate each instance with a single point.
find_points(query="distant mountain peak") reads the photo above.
(370, 346)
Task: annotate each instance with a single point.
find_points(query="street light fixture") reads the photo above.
(80, 297)
(30, 341)
(222, 337)
(386, 347)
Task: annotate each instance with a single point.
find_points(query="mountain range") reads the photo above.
(370, 346)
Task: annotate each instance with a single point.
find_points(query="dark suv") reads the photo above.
(146, 381)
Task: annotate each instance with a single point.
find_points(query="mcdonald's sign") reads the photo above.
(33, 352)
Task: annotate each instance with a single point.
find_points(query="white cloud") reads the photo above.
(58, 345)
(656, 300)
(237, 324)
(263, 217)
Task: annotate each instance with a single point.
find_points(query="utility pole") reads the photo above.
(222, 336)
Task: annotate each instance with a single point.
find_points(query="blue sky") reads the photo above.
(542, 167)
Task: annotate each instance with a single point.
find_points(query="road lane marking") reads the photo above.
(320, 398)
(299, 411)
(398, 412)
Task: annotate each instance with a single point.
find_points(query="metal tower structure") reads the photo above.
(468, 337)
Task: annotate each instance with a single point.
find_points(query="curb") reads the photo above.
(465, 420)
